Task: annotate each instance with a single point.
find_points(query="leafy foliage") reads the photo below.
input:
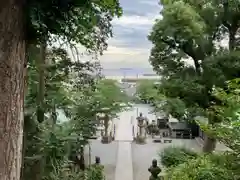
(174, 156)
(221, 68)
(146, 90)
(228, 130)
(75, 21)
(173, 106)
(197, 72)
(199, 168)
(156, 94)
(215, 166)
(51, 145)
(109, 98)
(187, 54)
(56, 83)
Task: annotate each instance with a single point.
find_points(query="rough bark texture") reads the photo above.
(232, 38)
(209, 144)
(12, 61)
(37, 168)
(106, 120)
(41, 86)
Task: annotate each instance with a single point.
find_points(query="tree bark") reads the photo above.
(106, 120)
(12, 72)
(41, 86)
(209, 144)
(232, 38)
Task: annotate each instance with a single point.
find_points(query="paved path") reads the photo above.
(124, 136)
(124, 126)
(124, 168)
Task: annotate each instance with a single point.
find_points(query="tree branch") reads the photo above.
(187, 49)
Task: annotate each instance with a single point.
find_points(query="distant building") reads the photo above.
(149, 75)
(135, 80)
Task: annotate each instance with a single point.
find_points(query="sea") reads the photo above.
(114, 73)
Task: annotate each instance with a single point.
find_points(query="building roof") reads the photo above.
(178, 126)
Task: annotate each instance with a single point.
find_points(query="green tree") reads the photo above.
(146, 90)
(109, 100)
(228, 130)
(218, 165)
(189, 31)
(109, 95)
(35, 22)
(48, 144)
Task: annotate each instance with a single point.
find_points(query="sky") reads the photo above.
(129, 47)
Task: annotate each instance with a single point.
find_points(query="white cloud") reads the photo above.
(136, 20)
(117, 57)
(113, 50)
(119, 54)
(148, 2)
(132, 20)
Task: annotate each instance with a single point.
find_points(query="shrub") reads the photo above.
(173, 156)
(95, 172)
(64, 172)
(201, 168)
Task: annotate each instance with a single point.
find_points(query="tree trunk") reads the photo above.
(197, 66)
(82, 159)
(23, 155)
(41, 86)
(232, 38)
(38, 167)
(12, 72)
(106, 120)
(27, 118)
(209, 144)
(54, 116)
